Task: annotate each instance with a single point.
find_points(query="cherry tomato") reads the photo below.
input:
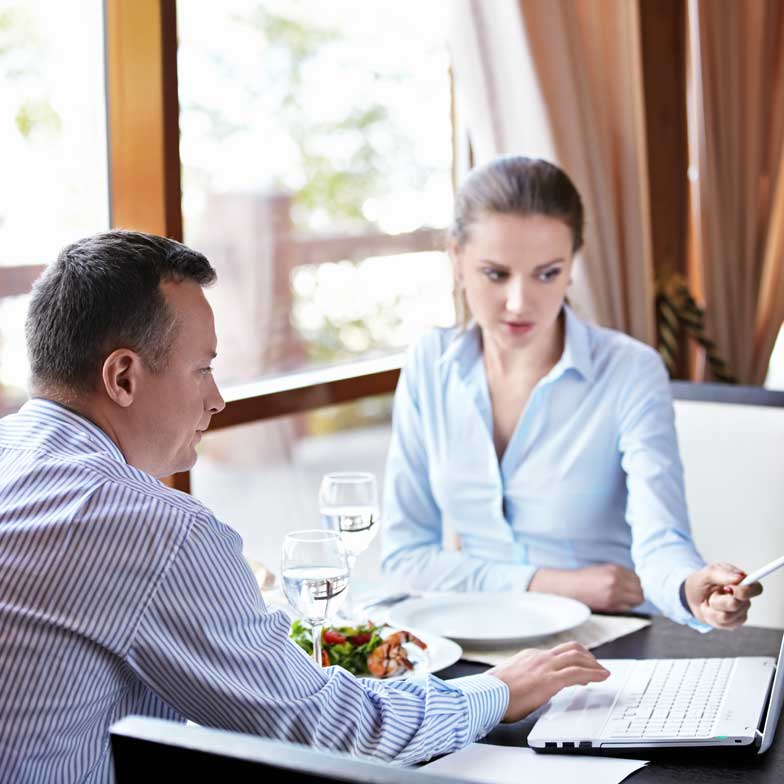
(331, 637)
(360, 639)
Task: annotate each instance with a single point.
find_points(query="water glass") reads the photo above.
(315, 577)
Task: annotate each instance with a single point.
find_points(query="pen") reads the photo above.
(763, 571)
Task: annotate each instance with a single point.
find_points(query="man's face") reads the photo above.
(175, 406)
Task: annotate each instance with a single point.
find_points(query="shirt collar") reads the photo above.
(577, 349)
(77, 425)
(466, 348)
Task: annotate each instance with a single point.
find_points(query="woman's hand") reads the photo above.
(714, 596)
(605, 587)
(533, 676)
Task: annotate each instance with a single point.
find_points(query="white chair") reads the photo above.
(731, 440)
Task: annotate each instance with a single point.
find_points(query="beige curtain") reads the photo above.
(576, 67)
(588, 58)
(737, 143)
(500, 99)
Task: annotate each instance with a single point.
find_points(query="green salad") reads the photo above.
(346, 646)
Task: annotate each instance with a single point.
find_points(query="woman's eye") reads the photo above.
(206, 371)
(550, 275)
(493, 274)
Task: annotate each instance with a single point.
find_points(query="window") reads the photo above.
(316, 153)
(316, 168)
(262, 479)
(54, 186)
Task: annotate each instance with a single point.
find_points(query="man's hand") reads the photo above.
(605, 587)
(714, 596)
(533, 676)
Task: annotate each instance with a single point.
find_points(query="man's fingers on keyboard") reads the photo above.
(572, 676)
(572, 645)
(575, 657)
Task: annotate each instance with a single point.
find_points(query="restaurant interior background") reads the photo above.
(311, 150)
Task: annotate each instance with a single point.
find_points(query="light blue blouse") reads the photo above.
(591, 473)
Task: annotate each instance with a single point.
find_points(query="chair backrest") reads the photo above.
(731, 440)
(145, 748)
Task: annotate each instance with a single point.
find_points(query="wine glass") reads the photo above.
(315, 577)
(348, 503)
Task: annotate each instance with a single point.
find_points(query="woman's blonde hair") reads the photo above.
(514, 185)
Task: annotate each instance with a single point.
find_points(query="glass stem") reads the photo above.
(316, 630)
(347, 610)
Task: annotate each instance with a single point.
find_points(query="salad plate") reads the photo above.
(352, 647)
(490, 620)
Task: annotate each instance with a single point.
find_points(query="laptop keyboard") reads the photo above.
(670, 698)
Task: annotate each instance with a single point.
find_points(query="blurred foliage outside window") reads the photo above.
(343, 104)
(344, 109)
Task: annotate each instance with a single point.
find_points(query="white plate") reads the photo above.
(490, 619)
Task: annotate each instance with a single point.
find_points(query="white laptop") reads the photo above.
(653, 703)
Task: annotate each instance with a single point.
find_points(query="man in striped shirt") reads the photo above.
(120, 596)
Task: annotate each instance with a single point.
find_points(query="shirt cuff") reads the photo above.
(677, 609)
(487, 698)
(528, 573)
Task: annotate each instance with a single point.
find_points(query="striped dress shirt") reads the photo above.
(120, 596)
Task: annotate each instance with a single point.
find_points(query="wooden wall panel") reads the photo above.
(663, 37)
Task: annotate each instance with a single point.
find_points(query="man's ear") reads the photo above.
(120, 374)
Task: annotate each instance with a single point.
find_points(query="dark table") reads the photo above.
(665, 639)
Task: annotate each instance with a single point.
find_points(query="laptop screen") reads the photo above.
(774, 705)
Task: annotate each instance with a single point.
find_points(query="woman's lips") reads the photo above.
(518, 327)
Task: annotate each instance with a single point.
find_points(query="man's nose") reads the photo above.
(215, 402)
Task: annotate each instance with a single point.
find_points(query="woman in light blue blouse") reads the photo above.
(545, 444)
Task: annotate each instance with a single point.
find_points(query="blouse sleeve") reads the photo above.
(663, 552)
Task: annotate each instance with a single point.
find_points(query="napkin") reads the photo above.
(514, 764)
(597, 630)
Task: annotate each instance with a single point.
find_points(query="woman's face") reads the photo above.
(515, 270)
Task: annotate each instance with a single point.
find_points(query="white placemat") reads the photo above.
(597, 630)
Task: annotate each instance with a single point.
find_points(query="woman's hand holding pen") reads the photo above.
(604, 587)
(715, 597)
